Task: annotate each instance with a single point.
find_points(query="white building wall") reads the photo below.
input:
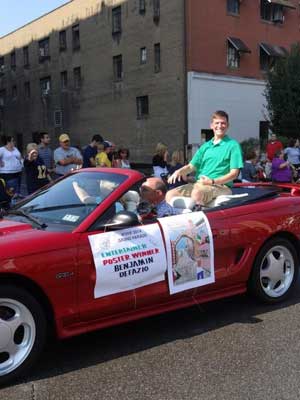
(241, 98)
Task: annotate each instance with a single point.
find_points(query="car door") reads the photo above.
(91, 306)
(159, 293)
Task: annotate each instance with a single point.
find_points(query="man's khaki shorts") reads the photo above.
(208, 192)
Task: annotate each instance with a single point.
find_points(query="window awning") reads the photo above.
(273, 50)
(239, 45)
(284, 3)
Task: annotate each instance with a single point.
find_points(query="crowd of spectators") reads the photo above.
(42, 164)
(277, 164)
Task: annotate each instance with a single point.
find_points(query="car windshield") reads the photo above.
(69, 200)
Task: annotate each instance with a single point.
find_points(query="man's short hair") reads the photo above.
(222, 114)
(97, 138)
(43, 134)
(160, 185)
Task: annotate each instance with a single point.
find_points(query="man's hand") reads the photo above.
(178, 175)
(181, 174)
(205, 180)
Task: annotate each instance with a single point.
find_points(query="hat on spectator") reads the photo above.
(106, 144)
(64, 137)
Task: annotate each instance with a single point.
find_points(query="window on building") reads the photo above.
(62, 40)
(268, 54)
(25, 57)
(77, 78)
(142, 107)
(156, 10)
(45, 85)
(265, 60)
(13, 60)
(116, 20)
(64, 80)
(44, 50)
(76, 37)
(14, 92)
(233, 56)
(2, 65)
(57, 118)
(2, 97)
(235, 47)
(118, 67)
(142, 6)
(274, 11)
(27, 90)
(143, 55)
(233, 6)
(157, 66)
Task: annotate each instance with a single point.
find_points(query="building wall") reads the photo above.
(101, 105)
(242, 99)
(209, 25)
(212, 84)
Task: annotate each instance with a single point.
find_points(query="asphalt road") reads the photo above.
(229, 349)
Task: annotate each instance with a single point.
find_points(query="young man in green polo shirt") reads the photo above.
(216, 164)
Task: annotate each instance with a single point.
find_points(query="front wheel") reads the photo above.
(275, 271)
(22, 332)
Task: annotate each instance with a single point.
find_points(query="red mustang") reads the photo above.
(75, 257)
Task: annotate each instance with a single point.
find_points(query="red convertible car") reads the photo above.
(78, 256)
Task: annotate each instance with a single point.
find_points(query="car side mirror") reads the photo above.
(122, 220)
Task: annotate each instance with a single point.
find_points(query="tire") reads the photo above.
(22, 332)
(275, 271)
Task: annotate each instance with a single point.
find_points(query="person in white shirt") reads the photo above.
(11, 164)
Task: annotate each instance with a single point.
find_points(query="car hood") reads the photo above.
(18, 239)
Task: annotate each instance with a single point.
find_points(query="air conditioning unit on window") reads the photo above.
(278, 16)
(45, 92)
(58, 118)
(278, 20)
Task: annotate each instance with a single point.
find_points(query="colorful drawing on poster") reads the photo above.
(190, 253)
(128, 259)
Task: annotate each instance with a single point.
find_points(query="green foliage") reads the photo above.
(251, 144)
(283, 94)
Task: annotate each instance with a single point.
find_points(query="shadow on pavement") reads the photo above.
(105, 345)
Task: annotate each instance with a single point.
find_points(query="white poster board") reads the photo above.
(128, 259)
(190, 253)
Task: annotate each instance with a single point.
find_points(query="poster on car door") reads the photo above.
(190, 253)
(128, 259)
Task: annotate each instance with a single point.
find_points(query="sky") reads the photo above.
(16, 13)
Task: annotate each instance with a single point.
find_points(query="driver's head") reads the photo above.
(153, 190)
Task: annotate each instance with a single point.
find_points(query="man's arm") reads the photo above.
(181, 173)
(83, 196)
(66, 161)
(92, 161)
(77, 158)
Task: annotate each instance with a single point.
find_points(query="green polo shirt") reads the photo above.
(216, 160)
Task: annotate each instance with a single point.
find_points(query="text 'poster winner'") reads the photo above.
(128, 259)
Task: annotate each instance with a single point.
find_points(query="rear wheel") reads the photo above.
(275, 271)
(22, 332)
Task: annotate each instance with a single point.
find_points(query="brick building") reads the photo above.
(143, 71)
(113, 67)
(230, 44)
